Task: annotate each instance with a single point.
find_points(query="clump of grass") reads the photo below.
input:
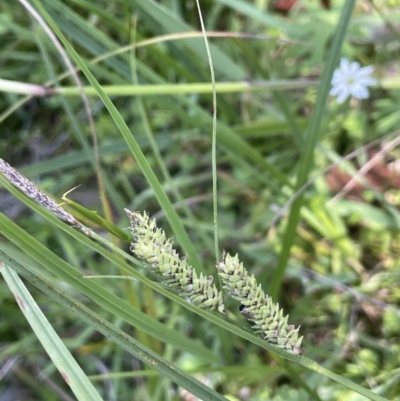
(268, 320)
(152, 246)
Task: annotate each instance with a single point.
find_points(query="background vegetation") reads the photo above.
(329, 256)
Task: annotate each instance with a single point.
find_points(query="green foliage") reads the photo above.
(141, 139)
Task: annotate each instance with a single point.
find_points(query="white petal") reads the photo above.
(337, 78)
(344, 64)
(341, 92)
(360, 92)
(337, 89)
(366, 70)
(342, 96)
(354, 67)
(367, 81)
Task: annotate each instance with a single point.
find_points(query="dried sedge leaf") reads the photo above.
(31, 190)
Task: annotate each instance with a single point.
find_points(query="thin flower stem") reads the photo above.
(214, 133)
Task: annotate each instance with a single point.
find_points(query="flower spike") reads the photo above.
(267, 319)
(152, 246)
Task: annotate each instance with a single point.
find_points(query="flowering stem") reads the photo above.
(267, 319)
(152, 246)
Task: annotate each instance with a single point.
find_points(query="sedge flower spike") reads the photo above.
(152, 246)
(266, 317)
(351, 80)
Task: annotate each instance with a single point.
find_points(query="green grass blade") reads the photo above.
(306, 362)
(55, 348)
(159, 192)
(171, 24)
(114, 334)
(95, 291)
(257, 14)
(310, 140)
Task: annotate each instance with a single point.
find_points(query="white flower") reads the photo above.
(351, 80)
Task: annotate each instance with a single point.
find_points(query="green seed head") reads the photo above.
(151, 245)
(267, 319)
